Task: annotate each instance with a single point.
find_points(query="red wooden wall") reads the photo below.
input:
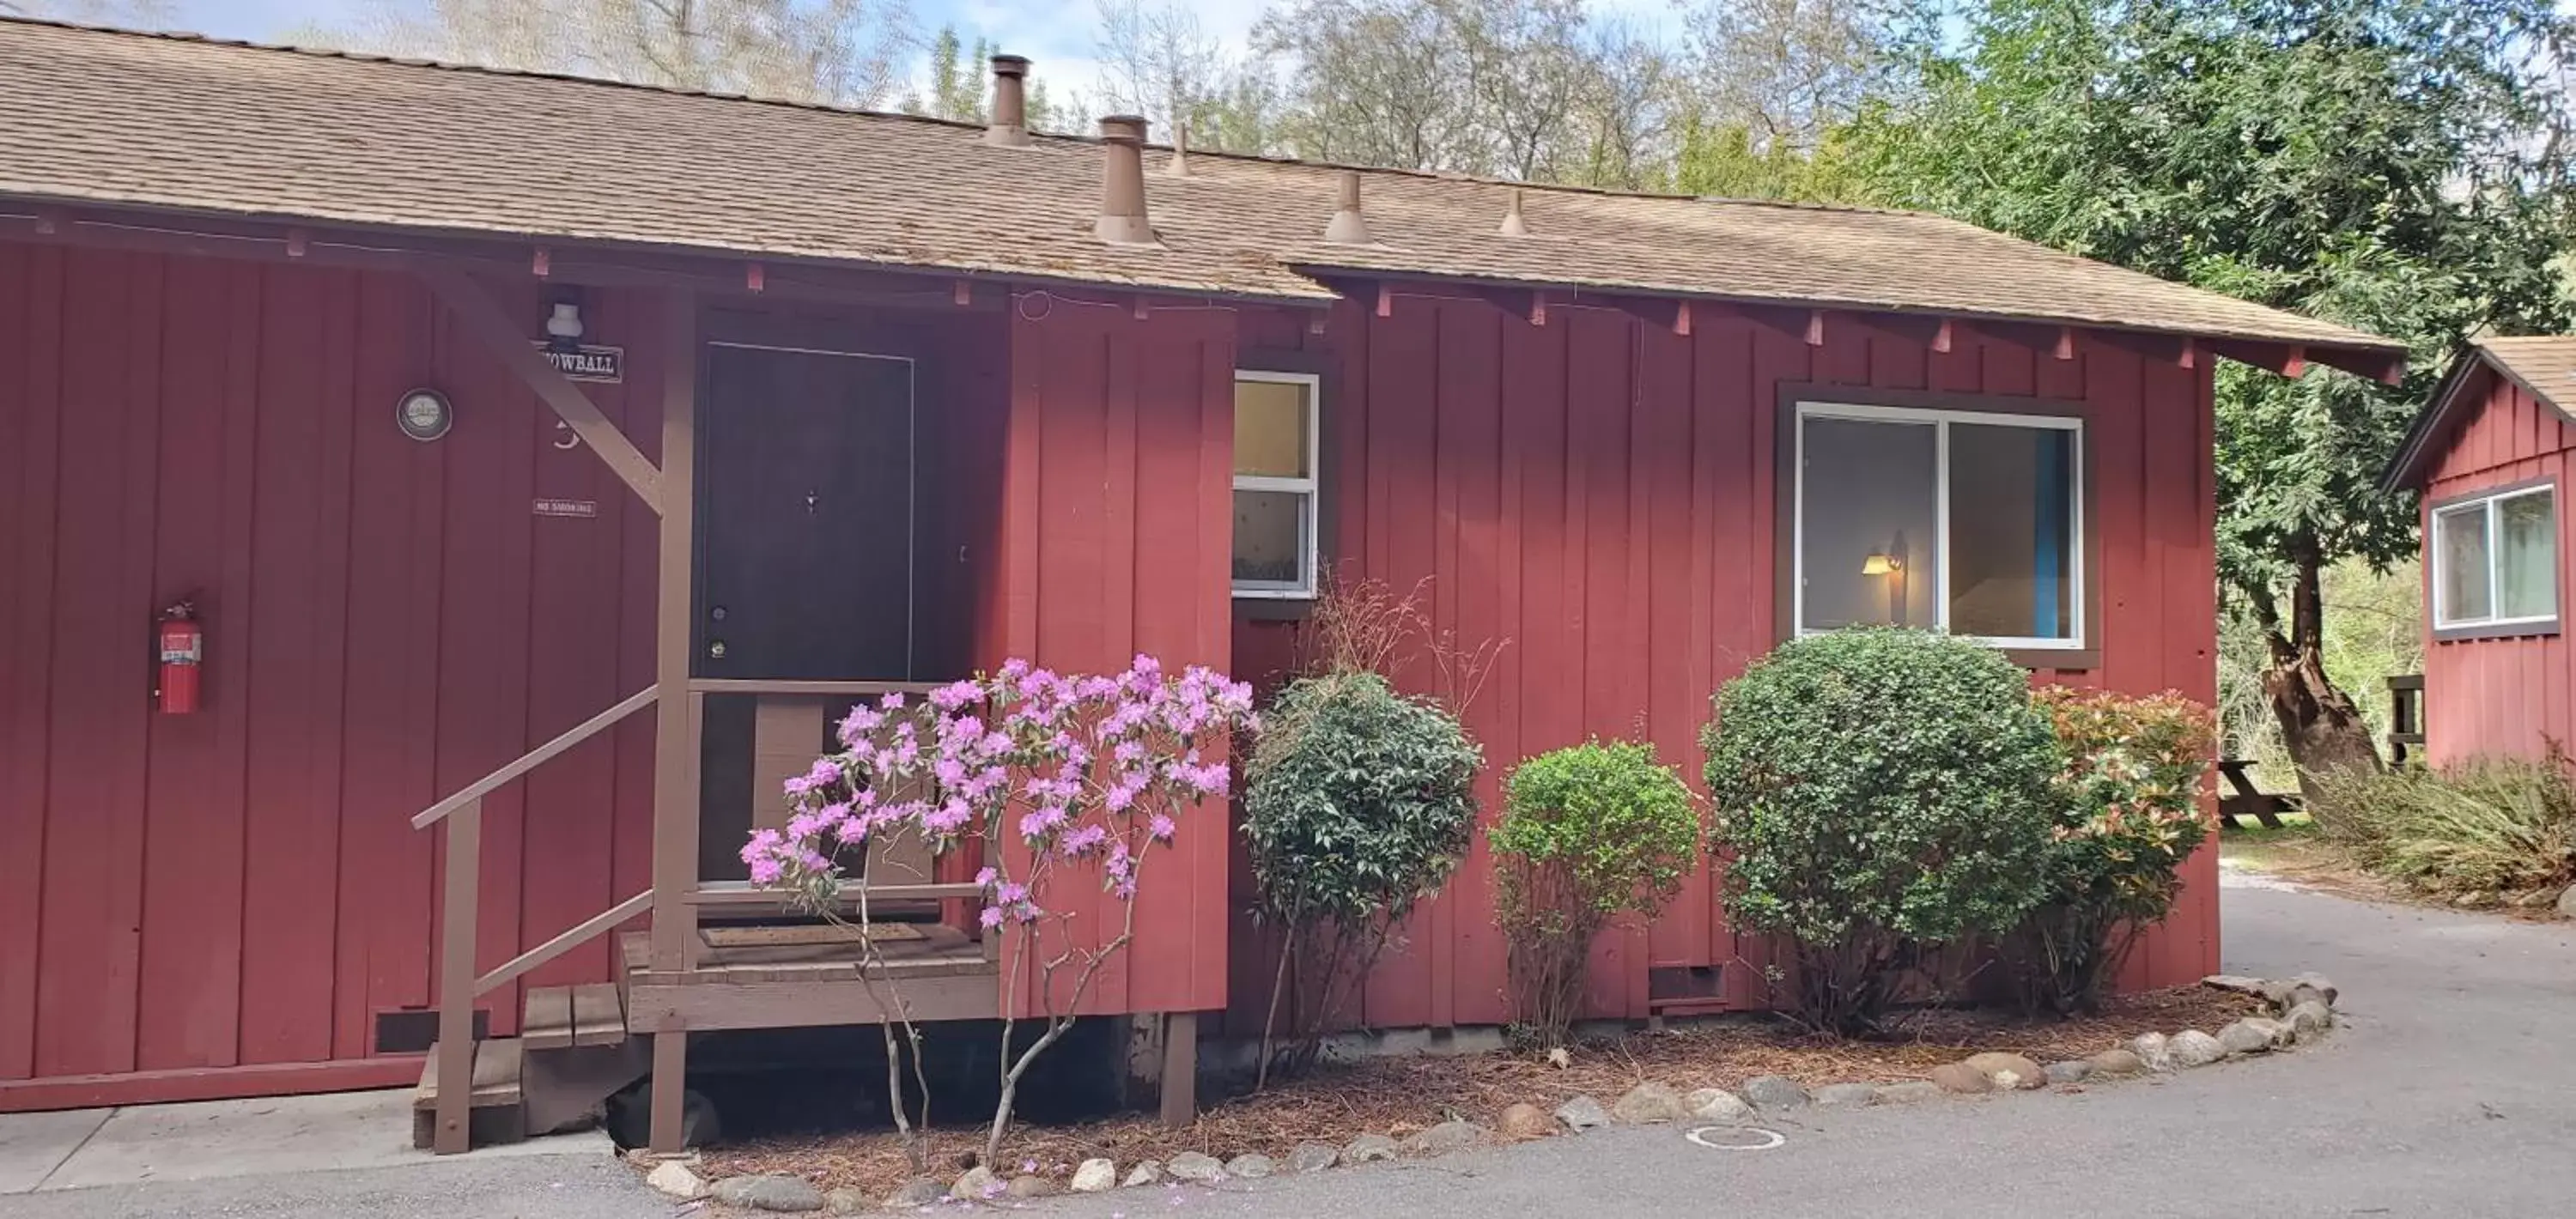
(2510, 695)
(386, 621)
(1115, 540)
(1599, 493)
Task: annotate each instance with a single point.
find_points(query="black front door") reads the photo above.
(805, 509)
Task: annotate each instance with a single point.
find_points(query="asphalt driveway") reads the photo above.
(2450, 1090)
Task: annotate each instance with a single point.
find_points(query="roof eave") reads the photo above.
(2359, 342)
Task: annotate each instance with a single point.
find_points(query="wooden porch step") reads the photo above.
(496, 1075)
(561, 1017)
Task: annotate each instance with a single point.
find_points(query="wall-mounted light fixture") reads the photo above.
(563, 326)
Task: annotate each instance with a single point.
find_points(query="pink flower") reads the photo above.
(1160, 827)
(984, 879)
(990, 918)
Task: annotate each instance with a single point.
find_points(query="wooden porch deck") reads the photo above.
(799, 976)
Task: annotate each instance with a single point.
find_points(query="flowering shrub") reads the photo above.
(1588, 831)
(2127, 816)
(1878, 793)
(1083, 771)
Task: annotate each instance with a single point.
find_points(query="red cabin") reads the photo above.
(545, 461)
(2489, 455)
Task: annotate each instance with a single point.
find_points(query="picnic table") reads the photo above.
(2245, 800)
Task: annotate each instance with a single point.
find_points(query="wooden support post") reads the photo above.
(675, 794)
(455, 1068)
(670, 1092)
(1180, 1068)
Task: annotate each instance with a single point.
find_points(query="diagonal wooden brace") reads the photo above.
(490, 324)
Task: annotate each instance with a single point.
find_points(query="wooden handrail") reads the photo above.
(725, 893)
(823, 689)
(535, 757)
(588, 930)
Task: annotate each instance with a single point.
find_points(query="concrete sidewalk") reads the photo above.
(216, 1140)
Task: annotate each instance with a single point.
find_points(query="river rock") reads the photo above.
(1030, 1185)
(2567, 903)
(2009, 1072)
(1716, 1105)
(1149, 1172)
(768, 1192)
(2319, 983)
(1446, 1137)
(851, 1200)
(1368, 1149)
(2072, 1071)
(1844, 1095)
(1195, 1166)
(1772, 1093)
(2239, 983)
(977, 1184)
(676, 1178)
(1583, 1113)
(919, 1191)
(2116, 1062)
(1095, 1176)
(1961, 1078)
(1909, 1092)
(1250, 1165)
(2193, 1048)
(2244, 1037)
(2153, 1051)
(1312, 1157)
(1648, 1103)
(2309, 1021)
(1525, 1121)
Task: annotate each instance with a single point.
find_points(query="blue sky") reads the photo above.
(1055, 33)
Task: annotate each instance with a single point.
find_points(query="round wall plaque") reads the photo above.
(424, 414)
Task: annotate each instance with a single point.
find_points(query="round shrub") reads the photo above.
(1357, 803)
(1587, 831)
(2128, 814)
(1878, 792)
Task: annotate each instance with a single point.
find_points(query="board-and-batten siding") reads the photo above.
(386, 621)
(2507, 696)
(1599, 493)
(1114, 539)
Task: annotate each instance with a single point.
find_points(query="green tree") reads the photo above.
(2396, 165)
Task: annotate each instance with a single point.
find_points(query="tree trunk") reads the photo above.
(2320, 724)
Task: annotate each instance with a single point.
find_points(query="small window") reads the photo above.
(2495, 561)
(1275, 443)
(1954, 520)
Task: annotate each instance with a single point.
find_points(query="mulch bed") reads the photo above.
(1398, 1096)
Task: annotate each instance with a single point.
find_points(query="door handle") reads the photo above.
(715, 649)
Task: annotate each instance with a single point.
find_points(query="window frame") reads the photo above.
(1311, 487)
(2078, 650)
(2489, 500)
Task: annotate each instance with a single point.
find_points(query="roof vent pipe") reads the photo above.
(1010, 124)
(1180, 166)
(1348, 227)
(1513, 225)
(1122, 182)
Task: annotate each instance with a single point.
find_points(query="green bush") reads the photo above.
(1878, 792)
(2128, 814)
(1587, 831)
(2483, 830)
(1358, 802)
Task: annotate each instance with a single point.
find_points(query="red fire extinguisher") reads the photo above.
(183, 648)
